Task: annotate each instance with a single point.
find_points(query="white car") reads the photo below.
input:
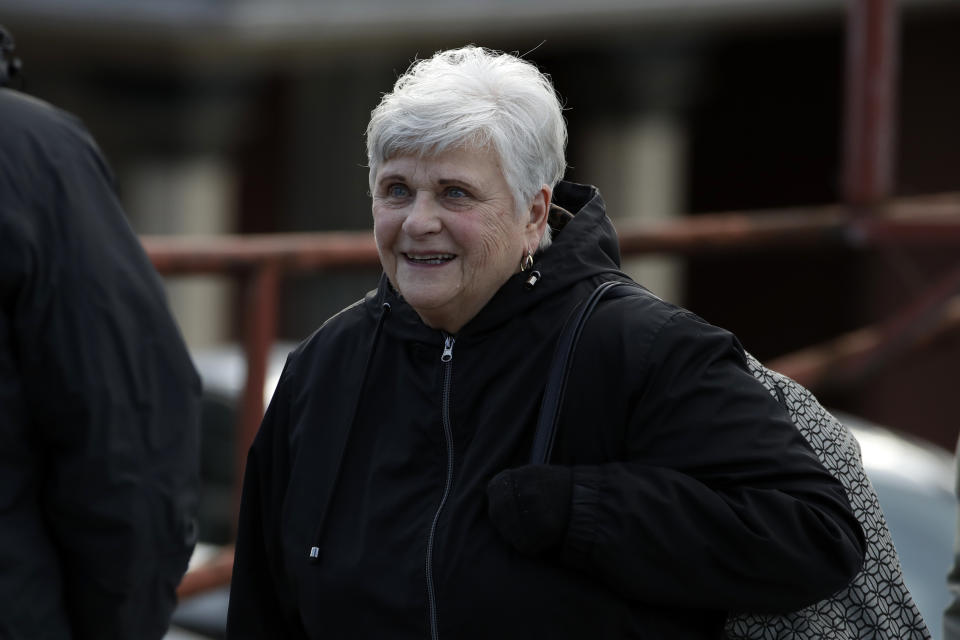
(915, 482)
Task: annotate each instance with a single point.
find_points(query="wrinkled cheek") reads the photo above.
(496, 246)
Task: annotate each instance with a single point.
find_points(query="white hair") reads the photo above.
(478, 98)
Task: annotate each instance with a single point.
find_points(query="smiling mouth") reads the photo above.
(430, 258)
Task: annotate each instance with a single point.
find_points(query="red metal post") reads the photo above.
(871, 85)
(260, 291)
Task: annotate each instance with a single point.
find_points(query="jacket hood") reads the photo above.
(584, 246)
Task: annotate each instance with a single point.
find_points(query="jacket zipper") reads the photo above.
(447, 360)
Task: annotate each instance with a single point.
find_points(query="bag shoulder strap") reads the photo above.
(546, 431)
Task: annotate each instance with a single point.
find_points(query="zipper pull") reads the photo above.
(447, 349)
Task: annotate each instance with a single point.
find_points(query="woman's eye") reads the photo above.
(397, 191)
(456, 192)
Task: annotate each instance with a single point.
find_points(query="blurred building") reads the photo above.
(248, 116)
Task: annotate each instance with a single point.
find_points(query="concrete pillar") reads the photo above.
(195, 196)
(639, 163)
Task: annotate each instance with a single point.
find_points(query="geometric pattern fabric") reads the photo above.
(876, 604)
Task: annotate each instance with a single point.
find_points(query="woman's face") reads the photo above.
(449, 233)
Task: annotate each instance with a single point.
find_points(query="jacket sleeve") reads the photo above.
(720, 503)
(111, 392)
(261, 605)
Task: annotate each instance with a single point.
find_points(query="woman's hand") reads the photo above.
(530, 506)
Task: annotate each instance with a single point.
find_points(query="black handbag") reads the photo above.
(876, 603)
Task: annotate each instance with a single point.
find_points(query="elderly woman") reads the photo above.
(387, 494)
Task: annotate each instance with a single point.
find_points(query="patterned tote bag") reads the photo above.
(876, 604)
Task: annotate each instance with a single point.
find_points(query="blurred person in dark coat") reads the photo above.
(99, 400)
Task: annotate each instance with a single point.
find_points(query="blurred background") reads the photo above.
(787, 169)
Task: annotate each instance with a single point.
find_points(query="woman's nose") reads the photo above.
(422, 217)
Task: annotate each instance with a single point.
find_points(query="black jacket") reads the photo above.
(365, 512)
(99, 401)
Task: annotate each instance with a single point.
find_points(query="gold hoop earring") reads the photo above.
(527, 263)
